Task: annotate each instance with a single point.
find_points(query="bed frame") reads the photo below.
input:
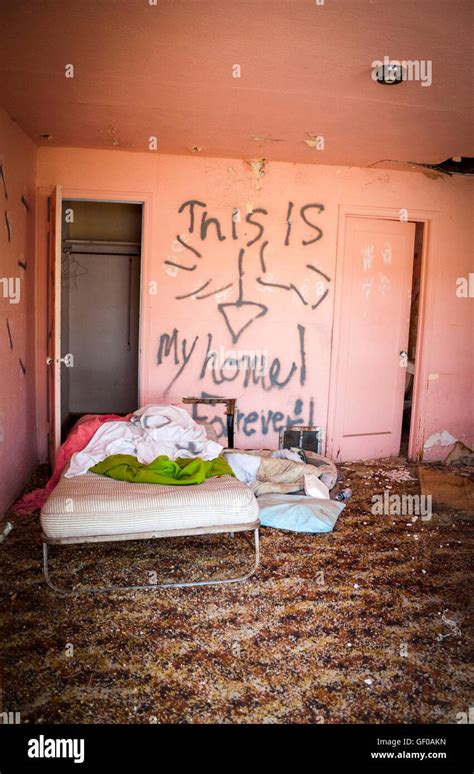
(226, 529)
(222, 529)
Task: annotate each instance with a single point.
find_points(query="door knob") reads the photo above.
(68, 360)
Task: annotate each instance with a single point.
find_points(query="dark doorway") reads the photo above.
(100, 308)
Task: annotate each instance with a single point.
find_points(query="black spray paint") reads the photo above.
(180, 350)
(261, 421)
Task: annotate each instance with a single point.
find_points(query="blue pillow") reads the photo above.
(298, 513)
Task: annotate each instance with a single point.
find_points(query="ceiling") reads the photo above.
(165, 70)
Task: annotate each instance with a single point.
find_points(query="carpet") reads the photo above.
(367, 624)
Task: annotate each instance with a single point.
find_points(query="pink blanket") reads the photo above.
(77, 440)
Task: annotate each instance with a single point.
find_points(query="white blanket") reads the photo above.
(151, 432)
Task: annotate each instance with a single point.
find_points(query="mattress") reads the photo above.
(93, 505)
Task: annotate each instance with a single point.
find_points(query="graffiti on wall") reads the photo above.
(258, 421)
(180, 350)
(244, 298)
(239, 314)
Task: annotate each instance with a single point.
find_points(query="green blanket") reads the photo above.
(180, 472)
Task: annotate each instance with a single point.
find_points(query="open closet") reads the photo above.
(100, 308)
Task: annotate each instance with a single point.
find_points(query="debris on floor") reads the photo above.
(447, 490)
(398, 474)
(364, 624)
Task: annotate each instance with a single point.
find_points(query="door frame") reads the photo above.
(53, 316)
(145, 198)
(429, 218)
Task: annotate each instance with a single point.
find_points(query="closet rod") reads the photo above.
(99, 242)
(96, 252)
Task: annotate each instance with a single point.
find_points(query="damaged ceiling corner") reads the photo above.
(454, 165)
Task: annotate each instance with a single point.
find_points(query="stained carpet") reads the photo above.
(366, 624)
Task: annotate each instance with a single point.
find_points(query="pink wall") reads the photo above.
(18, 450)
(295, 338)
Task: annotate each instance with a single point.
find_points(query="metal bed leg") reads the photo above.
(46, 573)
(154, 586)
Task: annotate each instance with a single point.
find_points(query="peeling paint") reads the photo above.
(440, 439)
(263, 138)
(432, 377)
(460, 452)
(112, 134)
(314, 141)
(257, 167)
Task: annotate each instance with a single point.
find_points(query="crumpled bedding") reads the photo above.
(284, 476)
(152, 431)
(78, 438)
(171, 427)
(179, 472)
